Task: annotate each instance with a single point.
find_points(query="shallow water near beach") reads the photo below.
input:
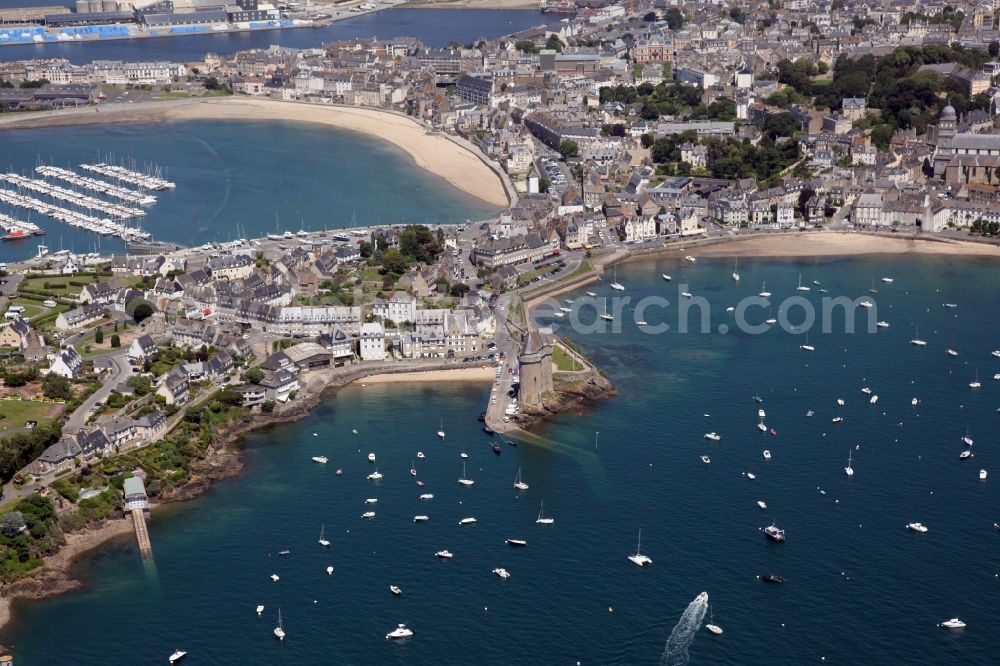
(860, 588)
(240, 180)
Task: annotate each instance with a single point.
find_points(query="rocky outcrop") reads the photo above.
(574, 392)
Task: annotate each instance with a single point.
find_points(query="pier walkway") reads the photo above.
(141, 533)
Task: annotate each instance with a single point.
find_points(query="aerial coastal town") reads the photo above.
(623, 129)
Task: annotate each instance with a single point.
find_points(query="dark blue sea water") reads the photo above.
(253, 175)
(860, 588)
(433, 27)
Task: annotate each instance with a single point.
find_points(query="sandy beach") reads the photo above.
(434, 152)
(477, 374)
(836, 244)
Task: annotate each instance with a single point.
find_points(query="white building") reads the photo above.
(398, 308)
(372, 342)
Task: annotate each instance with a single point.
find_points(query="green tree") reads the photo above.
(417, 243)
(650, 17)
(141, 385)
(674, 18)
(116, 341)
(994, 48)
(56, 387)
(647, 140)
(365, 248)
(554, 43)
(11, 524)
(99, 335)
(569, 148)
(393, 261)
(253, 375)
(459, 289)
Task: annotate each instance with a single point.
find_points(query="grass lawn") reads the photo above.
(564, 362)
(15, 412)
(31, 308)
(59, 285)
(585, 267)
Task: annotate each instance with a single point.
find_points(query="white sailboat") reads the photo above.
(736, 270)
(639, 559)
(615, 284)
(916, 341)
(518, 483)
(975, 384)
(542, 520)
(464, 481)
(801, 287)
(323, 541)
(605, 316)
(712, 626)
(279, 631)
(849, 470)
(764, 293)
(440, 432)
(666, 277)
(807, 346)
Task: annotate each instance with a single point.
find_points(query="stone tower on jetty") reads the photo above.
(536, 367)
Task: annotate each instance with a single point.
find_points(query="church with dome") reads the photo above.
(962, 158)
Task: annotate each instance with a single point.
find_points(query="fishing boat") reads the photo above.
(323, 541)
(837, 419)
(518, 483)
(639, 559)
(751, 476)
(541, 520)
(774, 534)
(420, 455)
(914, 402)
(965, 455)
(873, 400)
(401, 631)
(887, 280)
(177, 656)
(464, 481)
(321, 459)
(951, 352)
(279, 631)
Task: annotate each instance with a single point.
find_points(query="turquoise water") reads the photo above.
(860, 588)
(250, 174)
(433, 27)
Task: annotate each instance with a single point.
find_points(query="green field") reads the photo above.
(59, 285)
(563, 361)
(13, 413)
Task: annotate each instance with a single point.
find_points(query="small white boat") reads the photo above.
(762, 504)
(914, 402)
(840, 402)
(444, 554)
(615, 284)
(882, 324)
(375, 476)
(953, 623)
(810, 413)
(761, 427)
(916, 341)
(501, 573)
(421, 519)
(995, 353)
(770, 321)
(329, 571)
(807, 348)
(690, 258)
(951, 352)
(917, 527)
(639, 559)
(666, 277)
(712, 627)
(801, 287)
(866, 304)
(983, 474)
(751, 476)
(736, 270)
(996, 377)
(177, 656)
(321, 459)
(279, 631)
(730, 309)
(764, 293)
(323, 541)
(712, 436)
(541, 520)
(887, 280)
(606, 317)
(426, 497)
(371, 500)
(354, 431)
(968, 441)
(965, 454)
(565, 310)
(275, 577)
(518, 483)
(873, 400)
(440, 432)
(975, 383)
(837, 419)
(849, 471)
(866, 390)
(340, 472)
(641, 322)
(519, 543)
(687, 294)
(767, 454)
(371, 457)
(395, 590)
(761, 413)
(464, 481)
(706, 460)
(591, 294)
(260, 609)
(558, 315)
(467, 521)
(368, 515)
(401, 631)
(420, 455)
(950, 305)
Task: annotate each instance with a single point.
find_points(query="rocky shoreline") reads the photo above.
(574, 393)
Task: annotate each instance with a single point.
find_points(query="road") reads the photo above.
(119, 373)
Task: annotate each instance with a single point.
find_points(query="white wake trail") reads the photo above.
(675, 653)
